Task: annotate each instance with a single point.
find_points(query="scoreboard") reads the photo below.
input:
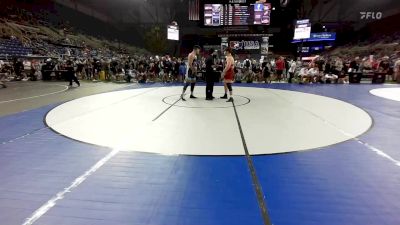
(237, 14)
(302, 29)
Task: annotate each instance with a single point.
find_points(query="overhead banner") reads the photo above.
(265, 46)
(224, 43)
(245, 45)
(323, 36)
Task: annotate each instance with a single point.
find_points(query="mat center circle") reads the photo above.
(201, 103)
(276, 121)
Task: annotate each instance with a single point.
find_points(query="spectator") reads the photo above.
(248, 75)
(292, 70)
(182, 71)
(384, 65)
(355, 65)
(266, 71)
(18, 68)
(397, 69)
(2, 75)
(280, 67)
(313, 74)
(238, 76)
(304, 75)
(256, 70)
(247, 64)
(338, 66)
(176, 64)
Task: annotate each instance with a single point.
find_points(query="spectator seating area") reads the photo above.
(12, 48)
(385, 45)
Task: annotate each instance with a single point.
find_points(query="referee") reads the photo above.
(210, 75)
(71, 73)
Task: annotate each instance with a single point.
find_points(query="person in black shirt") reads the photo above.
(328, 67)
(384, 65)
(18, 68)
(210, 75)
(47, 70)
(266, 72)
(71, 73)
(80, 66)
(354, 65)
(177, 64)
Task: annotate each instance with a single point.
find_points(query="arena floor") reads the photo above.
(129, 154)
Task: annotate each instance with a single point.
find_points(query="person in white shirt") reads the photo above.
(331, 77)
(238, 76)
(303, 74)
(238, 64)
(313, 74)
(1, 75)
(339, 65)
(292, 70)
(396, 67)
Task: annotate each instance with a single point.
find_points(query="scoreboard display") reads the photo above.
(302, 29)
(173, 32)
(237, 14)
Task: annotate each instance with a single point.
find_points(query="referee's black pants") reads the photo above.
(209, 85)
(72, 77)
(209, 89)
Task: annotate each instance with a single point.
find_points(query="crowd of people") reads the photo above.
(319, 69)
(142, 69)
(123, 68)
(338, 69)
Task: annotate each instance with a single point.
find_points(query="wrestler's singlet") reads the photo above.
(194, 65)
(229, 75)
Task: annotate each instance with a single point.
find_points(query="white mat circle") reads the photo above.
(275, 121)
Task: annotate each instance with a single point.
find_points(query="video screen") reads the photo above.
(262, 14)
(173, 33)
(212, 14)
(237, 14)
(302, 29)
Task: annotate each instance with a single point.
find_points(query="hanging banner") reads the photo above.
(224, 43)
(251, 45)
(265, 46)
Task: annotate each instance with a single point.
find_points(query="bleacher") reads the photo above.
(13, 47)
(39, 32)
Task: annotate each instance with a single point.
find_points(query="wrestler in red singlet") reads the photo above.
(228, 74)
